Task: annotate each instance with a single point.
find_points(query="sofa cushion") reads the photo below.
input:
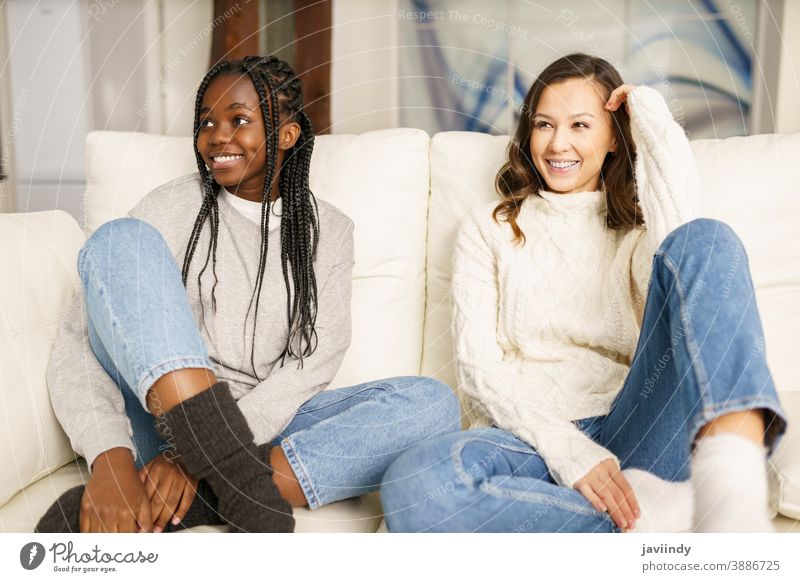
(784, 465)
(463, 167)
(39, 281)
(379, 179)
(745, 183)
(121, 167)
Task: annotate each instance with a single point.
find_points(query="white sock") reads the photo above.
(729, 475)
(666, 506)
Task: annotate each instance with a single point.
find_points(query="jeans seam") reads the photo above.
(301, 474)
(200, 361)
(509, 447)
(81, 261)
(709, 406)
(112, 316)
(495, 491)
(383, 386)
(691, 342)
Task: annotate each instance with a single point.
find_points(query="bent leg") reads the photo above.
(341, 442)
(137, 305)
(139, 321)
(141, 316)
(700, 354)
(483, 480)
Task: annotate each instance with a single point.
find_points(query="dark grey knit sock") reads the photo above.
(64, 515)
(214, 443)
(203, 510)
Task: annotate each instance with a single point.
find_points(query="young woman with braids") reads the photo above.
(219, 367)
(613, 358)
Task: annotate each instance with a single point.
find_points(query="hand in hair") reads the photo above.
(619, 96)
(607, 489)
(170, 490)
(115, 499)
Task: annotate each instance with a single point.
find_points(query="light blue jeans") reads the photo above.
(700, 355)
(339, 443)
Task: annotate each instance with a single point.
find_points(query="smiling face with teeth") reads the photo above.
(232, 137)
(571, 135)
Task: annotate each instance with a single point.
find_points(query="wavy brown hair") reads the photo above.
(519, 178)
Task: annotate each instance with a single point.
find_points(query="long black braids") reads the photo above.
(275, 83)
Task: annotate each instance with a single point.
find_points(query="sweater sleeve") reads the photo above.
(667, 180)
(514, 402)
(272, 404)
(85, 399)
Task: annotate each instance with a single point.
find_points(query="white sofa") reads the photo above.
(406, 193)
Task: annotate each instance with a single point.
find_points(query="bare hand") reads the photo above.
(607, 489)
(115, 499)
(619, 96)
(170, 490)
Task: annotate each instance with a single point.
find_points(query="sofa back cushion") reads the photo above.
(748, 182)
(38, 263)
(463, 168)
(379, 179)
(121, 167)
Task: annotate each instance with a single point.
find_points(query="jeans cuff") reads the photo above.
(154, 373)
(302, 475)
(777, 420)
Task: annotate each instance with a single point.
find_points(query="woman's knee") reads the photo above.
(127, 239)
(415, 481)
(122, 233)
(703, 235)
(431, 398)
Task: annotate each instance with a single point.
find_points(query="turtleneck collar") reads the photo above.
(590, 203)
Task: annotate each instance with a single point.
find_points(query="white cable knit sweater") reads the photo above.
(545, 333)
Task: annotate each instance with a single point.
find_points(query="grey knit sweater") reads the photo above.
(88, 403)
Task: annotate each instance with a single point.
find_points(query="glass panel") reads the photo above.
(468, 65)
(699, 55)
(556, 29)
(454, 67)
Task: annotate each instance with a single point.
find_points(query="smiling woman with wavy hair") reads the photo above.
(613, 388)
(519, 178)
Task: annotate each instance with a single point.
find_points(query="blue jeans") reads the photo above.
(700, 355)
(339, 443)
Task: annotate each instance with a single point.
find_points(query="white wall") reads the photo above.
(365, 66)
(118, 48)
(6, 122)
(788, 96)
(148, 57)
(79, 65)
(185, 41)
(48, 79)
(363, 72)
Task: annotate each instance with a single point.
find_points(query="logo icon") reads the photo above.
(31, 555)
